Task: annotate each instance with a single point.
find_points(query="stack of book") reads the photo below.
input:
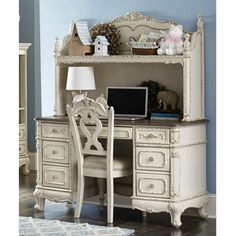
(164, 116)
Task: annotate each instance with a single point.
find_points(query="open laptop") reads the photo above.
(130, 103)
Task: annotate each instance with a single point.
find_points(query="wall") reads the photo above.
(29, 33)
(55, 16)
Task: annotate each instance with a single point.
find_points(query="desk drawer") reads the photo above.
(152, 135)
(119, 132)
(153, 185)
(55, 130)
(22, 147)
(152, 158)
(56, 152)
(56, 176)
(22, 132)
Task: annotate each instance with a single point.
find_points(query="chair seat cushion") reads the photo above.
(98, 162)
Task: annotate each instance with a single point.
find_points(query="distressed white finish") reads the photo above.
(53, 139)
(55, 166)
(167, 176)
(90, 112)
(191, 64)
(177, 178)
(23, 147)
(169, 161)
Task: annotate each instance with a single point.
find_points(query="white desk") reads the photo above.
(169, 164)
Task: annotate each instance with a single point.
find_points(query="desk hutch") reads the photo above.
(169, 157)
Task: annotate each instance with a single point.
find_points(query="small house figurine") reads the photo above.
(79, 41)
(101, 46)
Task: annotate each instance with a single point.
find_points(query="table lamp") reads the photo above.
(78, 79)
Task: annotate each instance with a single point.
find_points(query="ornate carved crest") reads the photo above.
(134, 16)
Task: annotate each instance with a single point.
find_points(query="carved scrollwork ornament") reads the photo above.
(134, 16)
(175, 137)
(175, 155)
(149, 210)
(187, 45)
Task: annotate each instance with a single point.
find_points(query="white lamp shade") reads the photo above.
(80, 78)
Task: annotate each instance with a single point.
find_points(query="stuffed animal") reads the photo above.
(172, 43)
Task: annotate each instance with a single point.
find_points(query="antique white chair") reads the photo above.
(92, 158)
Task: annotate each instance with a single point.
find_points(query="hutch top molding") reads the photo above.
(134, 24)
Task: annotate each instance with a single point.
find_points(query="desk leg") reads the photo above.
(101, 189)
(40, 201)
(175, 213)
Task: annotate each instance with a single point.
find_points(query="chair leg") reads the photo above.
(101, 190)
(110, 200)
(80, 196)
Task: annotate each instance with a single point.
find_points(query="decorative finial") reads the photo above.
(200, 22)
(57, 46)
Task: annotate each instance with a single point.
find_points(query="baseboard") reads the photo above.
(211, 206)
(33, 161)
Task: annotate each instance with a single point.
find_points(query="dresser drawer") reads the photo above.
(55, 152)
(152, 135)
(152, 158)
(153, 185)
(55, 131)
(22, 132)
(22, 147)
(56, 176)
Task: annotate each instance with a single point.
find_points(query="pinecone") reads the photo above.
(111, 33)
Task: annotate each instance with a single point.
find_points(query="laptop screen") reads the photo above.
(128, 101)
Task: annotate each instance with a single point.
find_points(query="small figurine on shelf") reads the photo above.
(78, 42)
(168, 99)
(167, 106)
(101, 46)
(111, 33)
(172, 43)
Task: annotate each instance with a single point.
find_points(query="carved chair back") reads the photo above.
(89, 114)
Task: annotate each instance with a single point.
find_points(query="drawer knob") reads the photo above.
(54, 152)
(54, 177)
(150, 136)
(54, 131)
(151, 159)
(152, 185)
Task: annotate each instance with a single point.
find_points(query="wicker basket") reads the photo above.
(144, 51)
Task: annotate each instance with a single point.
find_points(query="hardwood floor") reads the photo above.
(155, 224)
